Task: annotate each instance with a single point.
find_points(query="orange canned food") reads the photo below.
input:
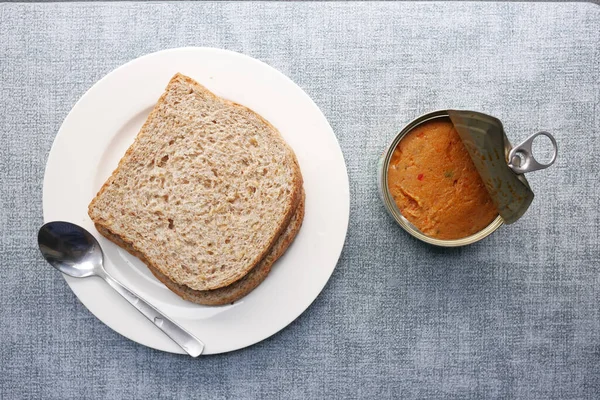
(448, 178)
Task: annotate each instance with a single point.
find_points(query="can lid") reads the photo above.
(489, 148)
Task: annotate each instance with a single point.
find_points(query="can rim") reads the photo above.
(392, 208)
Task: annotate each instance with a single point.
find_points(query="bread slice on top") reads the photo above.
(204, 192)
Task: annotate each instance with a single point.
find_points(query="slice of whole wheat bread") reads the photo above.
(238, 289)
(204, 191)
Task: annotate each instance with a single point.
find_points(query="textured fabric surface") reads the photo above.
(514, 316)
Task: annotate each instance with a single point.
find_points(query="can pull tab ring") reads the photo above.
(521, 160)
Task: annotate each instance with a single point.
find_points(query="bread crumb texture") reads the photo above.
(204, 191)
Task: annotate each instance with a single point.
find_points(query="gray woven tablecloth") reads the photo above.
(514, 316)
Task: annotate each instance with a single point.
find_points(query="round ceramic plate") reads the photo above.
(103, 124)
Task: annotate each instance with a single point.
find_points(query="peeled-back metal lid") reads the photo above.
(500, 166)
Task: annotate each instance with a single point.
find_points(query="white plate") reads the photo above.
(103, 124)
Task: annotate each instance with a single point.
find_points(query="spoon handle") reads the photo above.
(188, 342)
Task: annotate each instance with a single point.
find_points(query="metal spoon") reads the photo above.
(75, 252)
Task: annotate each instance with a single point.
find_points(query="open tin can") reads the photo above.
(500, 166)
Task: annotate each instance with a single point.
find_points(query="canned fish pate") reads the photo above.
(442, 178)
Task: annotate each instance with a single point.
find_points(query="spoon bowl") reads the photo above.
(70, 249)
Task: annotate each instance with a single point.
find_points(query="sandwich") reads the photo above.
(208, 196)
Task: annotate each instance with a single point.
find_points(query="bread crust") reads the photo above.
(199, 283)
